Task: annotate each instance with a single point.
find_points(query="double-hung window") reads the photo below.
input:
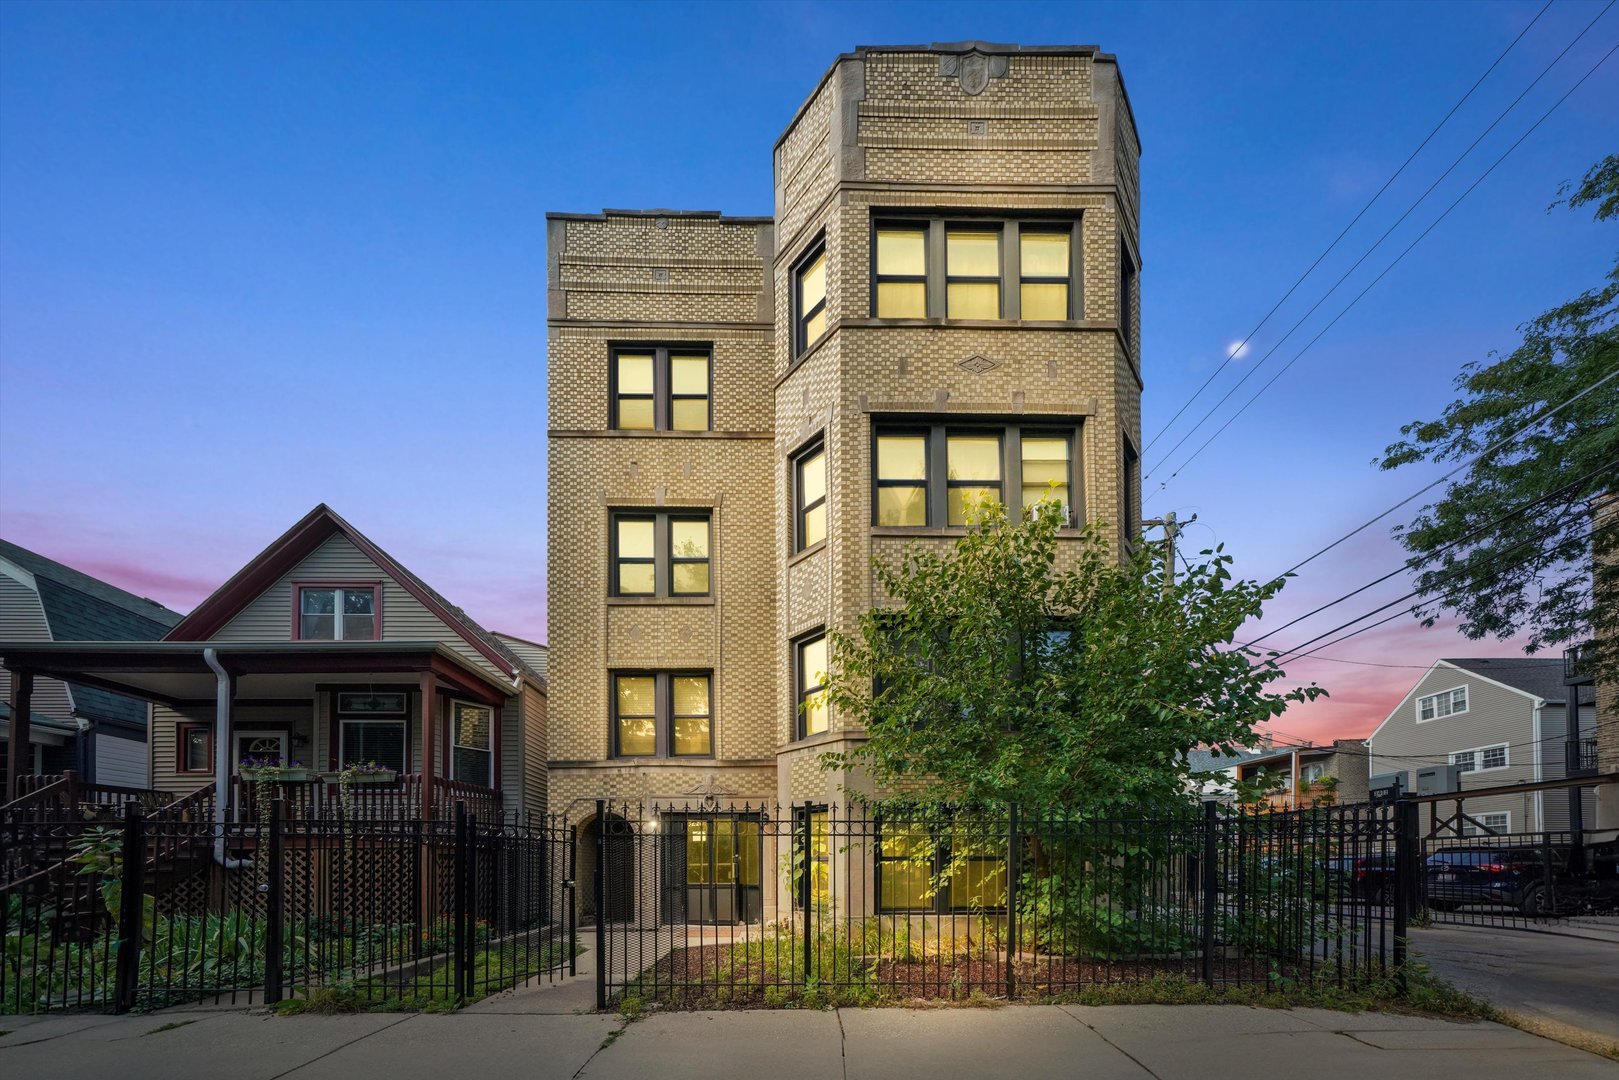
(472, 745)
(930, 475)
(809, 299)
(809, 684)
(1481, 758)
(661, 388)
(809, 496)
(972, 273)
(902, 272)
(1045, 273)
(1444, 703)
(939, 268)
(660, 554)
(337, 612)
(662, 714)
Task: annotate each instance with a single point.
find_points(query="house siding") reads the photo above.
(404, 618)
(120, 761)
(1495, 715)
(1552, 806)
(22, 618)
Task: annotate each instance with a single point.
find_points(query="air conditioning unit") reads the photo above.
(1439, 780)
(1390, 785)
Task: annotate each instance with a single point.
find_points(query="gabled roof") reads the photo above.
(296, 544)
(1207, 760)
(79, 607)
(1537, 677)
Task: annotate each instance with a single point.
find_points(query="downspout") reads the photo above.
(222, 742)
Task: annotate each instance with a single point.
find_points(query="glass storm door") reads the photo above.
(267, 746)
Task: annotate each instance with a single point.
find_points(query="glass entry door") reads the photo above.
(269, 747)
(711, 869)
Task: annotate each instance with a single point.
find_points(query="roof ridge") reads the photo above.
(88, 584)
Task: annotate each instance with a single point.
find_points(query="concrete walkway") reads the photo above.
(1556, 981)
(1136, 1042)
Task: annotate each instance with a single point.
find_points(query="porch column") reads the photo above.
(429, 691)
(22, 708)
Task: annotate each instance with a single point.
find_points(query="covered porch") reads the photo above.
(366, 730)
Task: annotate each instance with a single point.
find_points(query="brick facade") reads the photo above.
(968, 131)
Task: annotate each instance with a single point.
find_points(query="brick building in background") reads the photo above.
(744, 412)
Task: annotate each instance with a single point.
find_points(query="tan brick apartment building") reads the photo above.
(745, 411)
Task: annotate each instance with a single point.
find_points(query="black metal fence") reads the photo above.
(164, 910)
(707, 905)
(1520, 881)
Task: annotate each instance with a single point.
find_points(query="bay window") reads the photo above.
(809, 299)
(809, 497)
(809, 684)
(980, 269)
(928, 475)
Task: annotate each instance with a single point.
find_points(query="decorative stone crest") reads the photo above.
(977, 365)
(709, 792)
(973, 69)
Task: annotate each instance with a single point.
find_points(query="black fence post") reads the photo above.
(470, 910)
(801, 861)
(1405, 885)
(1211, 825)
(131, 907)
(273, 884)
(1014, 844)
(598, 891)
(458, 894)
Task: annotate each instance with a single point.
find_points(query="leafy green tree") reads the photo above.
(1017, 667)
(1539, 571)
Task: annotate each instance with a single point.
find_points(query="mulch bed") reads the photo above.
(708, 977)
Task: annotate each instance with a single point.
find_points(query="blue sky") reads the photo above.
(254, 257)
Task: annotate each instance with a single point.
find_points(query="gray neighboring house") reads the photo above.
(1502, 720)
(97, 734)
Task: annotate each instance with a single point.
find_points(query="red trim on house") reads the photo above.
(298, 587)
(289, 549)
(494, 739)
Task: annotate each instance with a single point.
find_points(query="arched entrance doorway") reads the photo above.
(618, 886)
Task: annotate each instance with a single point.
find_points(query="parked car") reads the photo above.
(1362, 877)
(1510, 876)
(1594, 889)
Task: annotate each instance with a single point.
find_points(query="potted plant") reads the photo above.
(271, 769)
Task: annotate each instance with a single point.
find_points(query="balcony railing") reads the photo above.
(1577, 662)
(1582, 757)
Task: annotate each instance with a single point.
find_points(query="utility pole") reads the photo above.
(1172, 528)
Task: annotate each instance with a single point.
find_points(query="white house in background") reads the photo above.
(1502, 721)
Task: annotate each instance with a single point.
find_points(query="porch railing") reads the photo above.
(396, 800)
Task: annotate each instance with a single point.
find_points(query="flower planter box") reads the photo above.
(385, 777)
(279, 775)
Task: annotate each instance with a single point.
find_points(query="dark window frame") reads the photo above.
(663, 559)
(801, 318)
(935, 247)
(901, 279)
(801, 690)
(1042, 279)
(941, 858)
(663, 396)
(936, 432)
(343, 720)
(999, 280)
(816, 855)
(663, 711)
(1130, 462)
(1129, 275)
(182, 732)
(801, 509)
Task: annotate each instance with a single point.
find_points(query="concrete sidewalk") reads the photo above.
(1124, 1042)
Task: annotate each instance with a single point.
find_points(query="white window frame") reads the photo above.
(1505, 817)
(1448, 697)
(337, 609)
(1476, 756)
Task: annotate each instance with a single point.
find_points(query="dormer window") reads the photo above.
(337, 613)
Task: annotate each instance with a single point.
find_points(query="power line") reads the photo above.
(1352, 223)
(1359, 296)
(1278, 657)
(1470, 461)
(1600, 470)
